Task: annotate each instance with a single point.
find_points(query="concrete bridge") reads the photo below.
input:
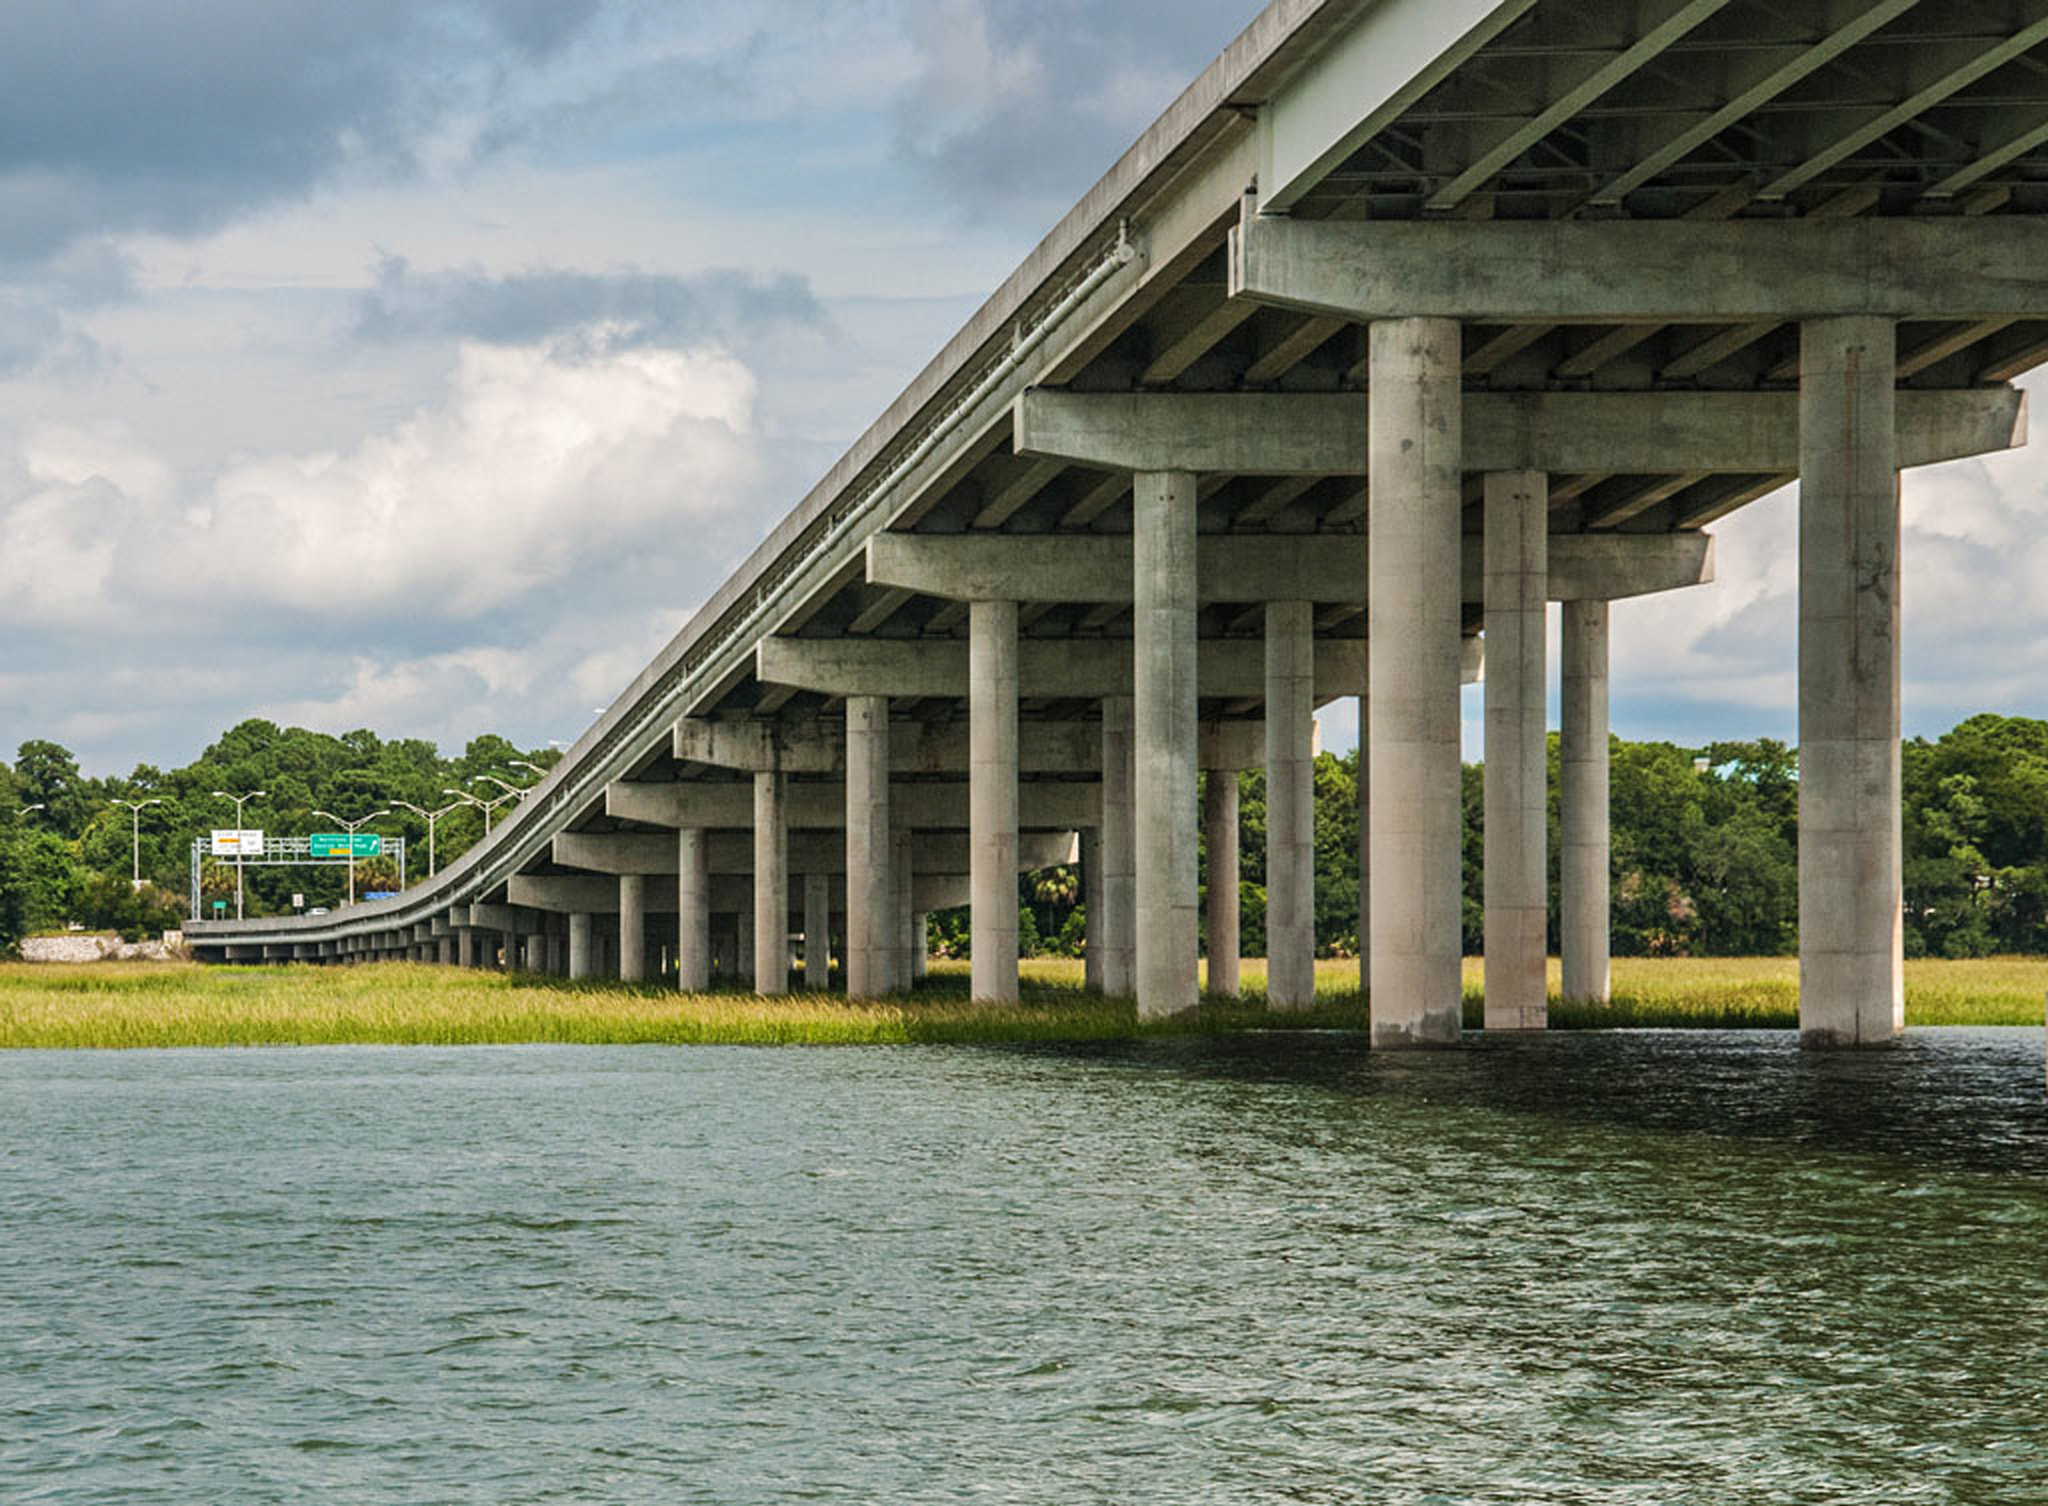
(1407, 318)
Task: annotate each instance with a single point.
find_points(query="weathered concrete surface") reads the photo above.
(582, 954)
(1323, 434)
(903, 861)
(1290, 805)
(1413, 559)
(693, 908)
(1582, 803)
(632, 927)
(1091, 909)
(868, 888)
(771, 884)
(1851, 937)
(1119, 929)
(655, 853)
(1228, 668)
(917, 747)
(1167, 653)
(992, 856)
(1364, 835)
(817, 930)
(1255, 567)
(1220, 819)
(1643, 271)
(1517, 810)
(1043, 805)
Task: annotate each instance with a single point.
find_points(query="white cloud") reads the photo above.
(548, 684)
(73, 455)
(541, 462)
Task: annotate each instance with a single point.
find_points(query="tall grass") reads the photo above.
(172, 1004)
(139, 1004)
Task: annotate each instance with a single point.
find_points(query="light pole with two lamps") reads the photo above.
(430, 817)
(486, 806)
(240, 801)
(350, 828)
(136, 807)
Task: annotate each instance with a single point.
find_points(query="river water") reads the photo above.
(1640, 1268)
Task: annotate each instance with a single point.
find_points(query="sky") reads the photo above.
(422, 365)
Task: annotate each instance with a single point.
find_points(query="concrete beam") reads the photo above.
(731, 894)
(1051, 805)
(1229, 668)
(732, 854)
(915, 747)
(496, 917)
(1257, 568)
(1616, 433)
(1644, 271)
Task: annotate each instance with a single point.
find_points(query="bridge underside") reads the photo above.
(1408, 319)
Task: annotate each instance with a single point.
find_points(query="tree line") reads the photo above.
(1705, 848)
(67, 848)
(1705, 840)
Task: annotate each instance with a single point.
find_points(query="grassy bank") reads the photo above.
(145, 1004)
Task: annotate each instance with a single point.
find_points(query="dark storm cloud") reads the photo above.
(639, 307)
(121, 115)
(1022, 104)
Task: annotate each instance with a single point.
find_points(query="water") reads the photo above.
(1588, 1269)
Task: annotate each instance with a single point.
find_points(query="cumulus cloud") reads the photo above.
(630, 307)
(538, 465)
(551, 679)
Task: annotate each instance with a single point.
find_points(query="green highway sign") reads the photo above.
(334, 844)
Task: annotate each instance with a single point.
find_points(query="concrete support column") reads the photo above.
(465, 947)
(582, 955)
(1583, 863)
(771, 883)
(1119, 928)
(1219, 819)
(747, 957)
(1413, 557)
(868, 890)
(1365, 835)
(992, 796)
(1165, 650)
(1290, 805)
(444, 951)
(1851, 939)
(920, 945)
(632, 927)
(534, 955)
(817, 931)
(1091, 908)
(693, 909)
(1517, 872)
(902, 869)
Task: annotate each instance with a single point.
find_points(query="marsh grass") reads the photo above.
(178, 1004)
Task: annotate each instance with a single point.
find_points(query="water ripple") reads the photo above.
(1595, 1270)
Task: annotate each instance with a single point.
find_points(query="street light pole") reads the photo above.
(512, 790)
(430, 817)
(238, 800)
(350, 828)
(136, 807)
(486, 806)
